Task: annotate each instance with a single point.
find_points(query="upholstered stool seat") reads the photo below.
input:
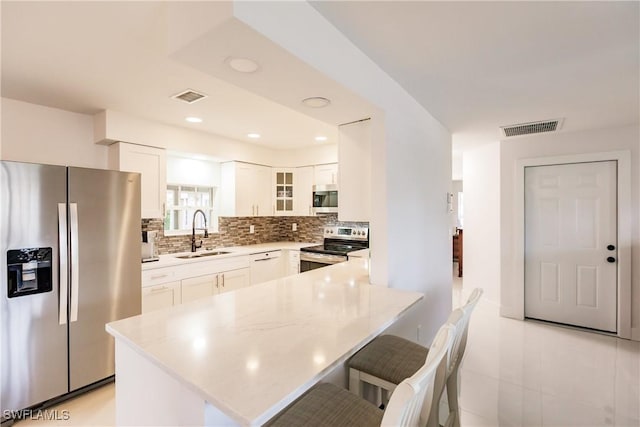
(327, 405)
(390, 357)
(388, 360)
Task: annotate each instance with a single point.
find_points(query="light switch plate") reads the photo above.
(252, 229)
(294, 227)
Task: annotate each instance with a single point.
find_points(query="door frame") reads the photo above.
(624, 213)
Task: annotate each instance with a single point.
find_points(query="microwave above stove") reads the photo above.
(325, 199)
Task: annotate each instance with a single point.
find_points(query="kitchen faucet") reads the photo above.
(193, 230)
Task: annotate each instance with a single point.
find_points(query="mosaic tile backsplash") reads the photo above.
(234, 231)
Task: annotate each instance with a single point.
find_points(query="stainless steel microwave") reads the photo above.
(325, 198)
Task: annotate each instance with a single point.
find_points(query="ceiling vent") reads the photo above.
(189, 96)
(531, 128)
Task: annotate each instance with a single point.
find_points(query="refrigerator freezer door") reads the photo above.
(34, 343)
(105, 258)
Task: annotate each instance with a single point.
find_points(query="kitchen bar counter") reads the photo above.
(170, 260)
(241, 357)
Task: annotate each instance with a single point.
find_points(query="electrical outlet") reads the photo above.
(252, 229)
(294, 227)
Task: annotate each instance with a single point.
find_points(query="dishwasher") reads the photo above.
(266, 266)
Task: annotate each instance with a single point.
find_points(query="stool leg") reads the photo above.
(452, 398)
(355, 384)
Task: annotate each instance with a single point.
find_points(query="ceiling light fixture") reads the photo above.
(321, 138)
(253, 135)
(316, 102)
(194, 119)
(243, 65)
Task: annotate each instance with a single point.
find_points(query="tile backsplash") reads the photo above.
(234, 231)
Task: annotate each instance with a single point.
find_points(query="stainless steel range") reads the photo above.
(338, 242)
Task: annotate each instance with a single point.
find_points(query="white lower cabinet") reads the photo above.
(168, 286)
(293, 263)
(160, 296)
(198, 287)
(234, 279)
(211, 284)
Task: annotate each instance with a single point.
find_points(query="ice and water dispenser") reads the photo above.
(29, 271)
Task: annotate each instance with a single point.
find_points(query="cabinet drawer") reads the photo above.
(158, 276)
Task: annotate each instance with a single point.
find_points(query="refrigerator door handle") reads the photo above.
(75, 274)
(63, 255)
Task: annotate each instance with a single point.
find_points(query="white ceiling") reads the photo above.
(479, 65)
(473, 65)
(123, 56)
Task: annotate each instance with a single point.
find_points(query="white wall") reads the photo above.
(593, 141)
(456, 165)
(38, 134)
(482, 226)
(181, 170)
(307, 156)
(411, 160)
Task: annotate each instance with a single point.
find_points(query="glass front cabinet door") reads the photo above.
(283, 204)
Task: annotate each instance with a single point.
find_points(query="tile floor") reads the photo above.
(529, 373)
(514, 374)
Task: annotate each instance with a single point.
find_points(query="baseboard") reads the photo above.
(635, 334)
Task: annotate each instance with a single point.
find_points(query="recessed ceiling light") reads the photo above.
(243, 65)
(321, 138)
(194, 119)
(316, 102)
(253, 135)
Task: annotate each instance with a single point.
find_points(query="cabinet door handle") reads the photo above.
(159, 276)
(257, 210)
(223, 280)
(161, 288)
(217, 280)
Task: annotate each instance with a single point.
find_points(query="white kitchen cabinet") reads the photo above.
(151, 163)
(198, 287)
(160, 296)
(233, 279)
(283, 191)
(245, 190)
(212, 284)
(293, 262)
(354, 183)
(303, 191)
(325, 174)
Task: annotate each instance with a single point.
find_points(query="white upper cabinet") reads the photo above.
(354, 184)
(151, 163)
(283, 191)
(303, 187)
(325, 174)
(245, 190)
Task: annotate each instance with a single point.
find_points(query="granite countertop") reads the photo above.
(253, 351)
(170, 260)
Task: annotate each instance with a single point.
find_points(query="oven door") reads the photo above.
(312, 260)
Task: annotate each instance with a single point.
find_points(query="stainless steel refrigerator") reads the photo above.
(70, 245)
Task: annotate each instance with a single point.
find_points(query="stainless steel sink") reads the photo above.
(202, 254)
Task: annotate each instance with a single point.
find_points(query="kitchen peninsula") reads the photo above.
(241, 357)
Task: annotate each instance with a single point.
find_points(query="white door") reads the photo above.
(570, 244)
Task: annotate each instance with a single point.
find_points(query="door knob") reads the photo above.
(611, 247)
(611, 259)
